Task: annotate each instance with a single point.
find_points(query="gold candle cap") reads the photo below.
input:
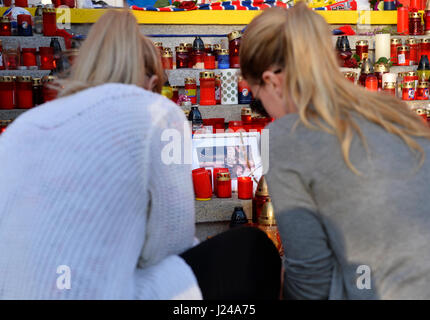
(414, 15)
(223, 176)
(218, 76)
(267, 215)
(234, 35)
(262, 189)
(49, 78)
(420, 111)
(389, 85)
(423, 84)
(381, 67)
(367, 67)
(396, 41)
(167, 54)
(403, 48)
(207, 75)
(426, 40)
(190, 81)
(223, 52)
(411, 74)
(411, 41)
(217, 47)
(6, 79)
(362, 43)
(37, 81)
(23, 79)
(409, 84)
(246, 111)
(181, 49)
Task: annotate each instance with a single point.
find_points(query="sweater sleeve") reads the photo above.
(171, 221)
(308, 258)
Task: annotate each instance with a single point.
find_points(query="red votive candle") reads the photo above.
(7, 90)
(223, 185)
(215, 175)
(202, 184)
(244, 188)
(209, 61)
(29, 57)
(46, 58)
(402, 20)
(21, 3)
(49, 22)
(24, 92)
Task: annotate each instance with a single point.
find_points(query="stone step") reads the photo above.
(35, 41)
(31, 73)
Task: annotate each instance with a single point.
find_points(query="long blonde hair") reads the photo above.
(114, 51)
(299, 41)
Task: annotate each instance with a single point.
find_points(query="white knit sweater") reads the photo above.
(82, 185)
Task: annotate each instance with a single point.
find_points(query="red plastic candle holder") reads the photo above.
(49, 22)
(202, 184)
(215, 175)
(207, 88)
(29, 57)
(244, 187)
(7, 93)
(223, 185)
(24, 92)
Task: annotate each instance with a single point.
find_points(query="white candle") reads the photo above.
(382, 46)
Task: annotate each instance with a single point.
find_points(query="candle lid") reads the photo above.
(207, 75)
(223, 52)
(234, 35)
(411, 41)
(181, 49)
(420, 111)
(381, 67)
(49, 78)
(414, 15)
(6, 79)
(411, 74)
(389, 85)
(218, 76)
(190, 81)
(423, 84)
(217, 46)
(23, 79)
(362, 43)
(167, 54)
(246, 111)
(49, 10)
(409, 84)
(403, 48)
(262, 189)
(158, 44)
(223, 176)
(5, 20)
(426, 40)
(37, 81)
(267, 216)
(396, 41)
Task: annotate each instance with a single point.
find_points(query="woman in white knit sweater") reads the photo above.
(88, 207)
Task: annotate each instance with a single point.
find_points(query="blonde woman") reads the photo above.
(349, 169)
(90, 209)
(84, 195)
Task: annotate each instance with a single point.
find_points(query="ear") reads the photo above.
(152, 83)
(270, 78)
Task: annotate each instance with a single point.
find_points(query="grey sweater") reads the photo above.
(377, 224)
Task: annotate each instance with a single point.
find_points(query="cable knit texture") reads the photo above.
(83, 185)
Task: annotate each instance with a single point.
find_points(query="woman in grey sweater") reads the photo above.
(349, 169)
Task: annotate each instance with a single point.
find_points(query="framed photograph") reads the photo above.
(239, 152)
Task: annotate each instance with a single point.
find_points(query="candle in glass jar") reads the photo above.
(182, 58)
(207, 88)
(390, 87)
(215, 175)
(403, 56)
(408, 90)
(244, 188)
(362, 49)
(191, 89)
(7, 92)
(167, 60)
(5, 27)
(234, 39)
(380, 70)
(423, 90)
(49, 22)
(223, 185)
(29, 57)
(415, 26)
(46, 58)
(209, 61)
(24, 22)
(223, 59)
(395, 43)
(413, 51)
(24, 92)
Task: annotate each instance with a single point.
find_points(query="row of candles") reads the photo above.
(25, 92)
(411, 21)
(44, 22)
(202, 56)
(12, 57)
(210, 90)
(262, 209)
